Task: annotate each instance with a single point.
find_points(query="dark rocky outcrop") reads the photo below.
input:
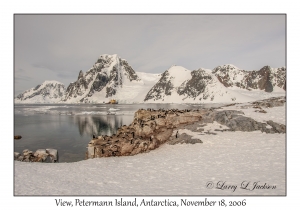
(227, 75)
(183, 139)
(264, 79)
(236, 122)
(99, 83)
(129, 72)
(77, 88)
(110, 91)
(196, 85)
(163, 87)
(278, 128)
(270, 102)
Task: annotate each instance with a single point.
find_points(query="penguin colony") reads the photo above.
(149, 129)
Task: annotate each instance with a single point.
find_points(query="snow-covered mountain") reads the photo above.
(168, 84)
(47, 92)
(179, 85)
(265, 79)
(110, 78)
(113, 78)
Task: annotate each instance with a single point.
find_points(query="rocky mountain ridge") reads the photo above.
(219, 85)
(264, 79)
(48, 91)
(106, 76)
(113, 78)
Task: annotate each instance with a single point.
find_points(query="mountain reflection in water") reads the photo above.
(100, 125)
(69, 134)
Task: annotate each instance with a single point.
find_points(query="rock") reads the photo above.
(40, 152)
(126, 149)
(193, 141)
(41, 155)
(261, 111)
(20, 158)
(53, 155)
(16, 155)
(26, 152)
(270, 102)
(236, 122)
(183, 139)
(210, 133)
(278, 128)
(91, 151)
(48, 159)
(241, 123)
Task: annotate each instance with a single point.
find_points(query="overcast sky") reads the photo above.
(57, 47)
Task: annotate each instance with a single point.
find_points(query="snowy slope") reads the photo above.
(47, 92)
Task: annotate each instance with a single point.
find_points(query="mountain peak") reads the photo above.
(52, 82)
(106, 56)
(229, 66)
(225, 67)
(106, 79)
(174, 69)
(48, 92)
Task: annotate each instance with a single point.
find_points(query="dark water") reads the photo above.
(69, 128)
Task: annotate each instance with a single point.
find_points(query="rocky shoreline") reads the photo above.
(151, 128)
(41, 155)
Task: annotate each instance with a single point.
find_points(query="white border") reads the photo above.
(8, 8)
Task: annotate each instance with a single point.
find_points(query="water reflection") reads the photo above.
(100, 125)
